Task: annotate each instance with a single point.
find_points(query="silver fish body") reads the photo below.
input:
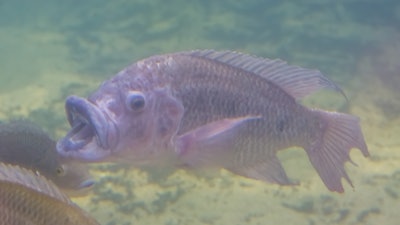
(212, 109)
(29, 198)
(25, 144)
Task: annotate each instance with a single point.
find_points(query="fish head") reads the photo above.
(72, 177)
(127, 118)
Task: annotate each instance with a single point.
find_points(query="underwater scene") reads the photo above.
(50, 50)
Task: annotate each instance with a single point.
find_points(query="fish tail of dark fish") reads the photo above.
(338, 134)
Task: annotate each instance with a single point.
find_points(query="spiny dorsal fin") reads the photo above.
(29, 179)
(296, 81)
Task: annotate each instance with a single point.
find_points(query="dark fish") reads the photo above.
(25, 144)
(29, 198)
(212, 109)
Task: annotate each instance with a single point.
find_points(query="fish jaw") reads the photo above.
(93, 134)
(82, 189)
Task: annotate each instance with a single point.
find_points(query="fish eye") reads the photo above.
(135, 101)
(60, 171)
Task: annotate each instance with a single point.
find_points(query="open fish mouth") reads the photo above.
(89, 126)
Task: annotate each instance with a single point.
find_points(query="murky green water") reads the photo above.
(51, 49)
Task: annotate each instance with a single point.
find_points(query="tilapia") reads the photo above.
(25, 144)
(206, 108)
(29, 198)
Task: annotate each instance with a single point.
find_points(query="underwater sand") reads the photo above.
(43, 63)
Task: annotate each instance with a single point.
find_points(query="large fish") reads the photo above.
(29, 198)
(25, 144)
(212, 109)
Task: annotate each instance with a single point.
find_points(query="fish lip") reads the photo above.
(87, 122)
(81, 190)
(87, 184)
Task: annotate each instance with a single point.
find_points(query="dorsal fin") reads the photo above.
(296, 81)
(29, 179)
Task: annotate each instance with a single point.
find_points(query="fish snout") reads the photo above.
(88, 124)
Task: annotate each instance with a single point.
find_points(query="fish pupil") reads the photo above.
(137, 102)
(60, 171)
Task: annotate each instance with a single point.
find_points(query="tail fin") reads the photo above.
(328, 153)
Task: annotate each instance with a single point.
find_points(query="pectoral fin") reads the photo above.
(211, 144)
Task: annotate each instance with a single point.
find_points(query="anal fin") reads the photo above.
(269, 170)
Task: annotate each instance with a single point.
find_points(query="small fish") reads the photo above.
(205, 108)
(25, 144)
(29, 198)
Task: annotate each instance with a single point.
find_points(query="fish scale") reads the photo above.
(29, 198)
(199, 114)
